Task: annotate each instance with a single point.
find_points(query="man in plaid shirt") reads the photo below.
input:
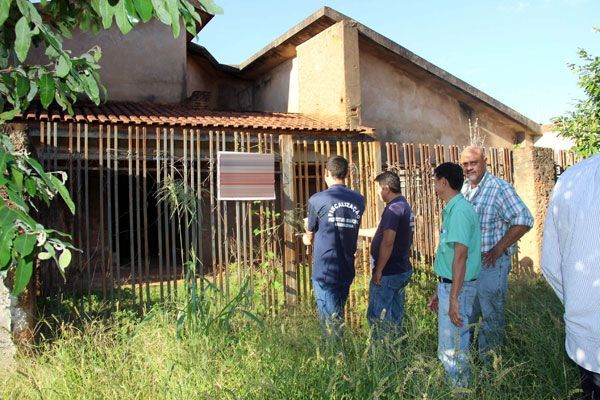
(504, 219)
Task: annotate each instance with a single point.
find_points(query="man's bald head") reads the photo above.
(473, 151)
(473, 162)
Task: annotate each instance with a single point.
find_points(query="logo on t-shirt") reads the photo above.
(343, 222)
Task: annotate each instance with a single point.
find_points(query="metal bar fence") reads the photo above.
(137, 250)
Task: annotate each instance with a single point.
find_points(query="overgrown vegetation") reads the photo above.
(285, 359)
(22, 239)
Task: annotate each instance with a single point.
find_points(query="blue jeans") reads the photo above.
(453, 342)
(331, 300)
(492, 286)
(386, 304)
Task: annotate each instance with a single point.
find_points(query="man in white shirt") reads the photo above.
(571, 264)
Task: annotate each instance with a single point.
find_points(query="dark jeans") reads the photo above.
(331, 300)
(590, 384)
(386, 304)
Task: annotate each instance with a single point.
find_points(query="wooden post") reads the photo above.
(377, 169)
(287, 206)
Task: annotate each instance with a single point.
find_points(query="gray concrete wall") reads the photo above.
(277, 90)
(407, 108)
(147, 64)
(328, 74)
(534, 181)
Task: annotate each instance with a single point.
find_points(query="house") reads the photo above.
(329, 85)
(333, 67)
(328, 66)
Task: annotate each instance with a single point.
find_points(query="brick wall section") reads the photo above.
(534, 180)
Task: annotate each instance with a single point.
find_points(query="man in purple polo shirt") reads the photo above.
(390, 262)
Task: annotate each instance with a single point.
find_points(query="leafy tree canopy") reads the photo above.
(583, 123)
(23, 24)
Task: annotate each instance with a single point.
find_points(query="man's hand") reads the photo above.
(376, 278)
(433, 303)
(455, 312)
(489, 258)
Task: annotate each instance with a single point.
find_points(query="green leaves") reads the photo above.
(144, 9)
(22, 275)
(161, 11)
(7, 233)
(4, 10)
(106, 12)
(22, 239)
(23, 244)
(23, 39)
(22, 84)
(211, 7)
(46, 87)
(63, 67)
(172, 7)
(582, 125)
(91, 88)
(64, 193)
(64, 260)
(122, 17)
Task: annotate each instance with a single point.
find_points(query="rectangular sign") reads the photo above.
(245, 176)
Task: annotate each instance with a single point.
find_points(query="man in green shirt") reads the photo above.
(457, 264)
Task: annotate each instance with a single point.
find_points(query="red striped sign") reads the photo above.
(245, 176)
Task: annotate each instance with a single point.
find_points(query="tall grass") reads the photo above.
(284, 358)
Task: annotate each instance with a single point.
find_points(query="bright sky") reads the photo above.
(515, 51)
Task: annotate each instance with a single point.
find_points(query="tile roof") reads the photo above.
(180, 114)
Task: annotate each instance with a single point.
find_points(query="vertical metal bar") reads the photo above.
(251, 238)
(185, 254)
(211, 174)
(274, 234)
(219, 241)
(79, 241)
(159, 216)
(131, 200)
(193, 257)
(172, 223)
(317, 166)
(244, 223)
(226, 232)
(72, 194)
(109, 218)
(199, 204)
(262, 237)
(101, 200)
(145, 211)
(269, 229)
(165, 212)
(117, 215)
(138, 222)
(238, 222)
(87, 213)
(301, 252)
(55, 147)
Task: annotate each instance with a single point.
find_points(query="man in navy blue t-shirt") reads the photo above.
(391, 268)
(332, 224)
